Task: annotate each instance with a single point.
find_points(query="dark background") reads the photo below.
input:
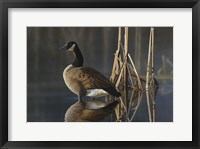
(48, 97)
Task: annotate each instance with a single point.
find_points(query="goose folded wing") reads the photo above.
(92, 79)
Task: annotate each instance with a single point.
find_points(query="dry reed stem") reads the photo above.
(126, 42)
(133, 75)
(115, 66)
(117, 85)
(118, 47)
(120, 75)
(115, 71)
(131, 100)
(138, 104)
(152, 73)
(125, 68)
(123, 104)
(132, 94)
(116, 112)
(132, 66)
(136, 73)
(147, 79)
(120, 110)
(130, 76)
(133, 91)
(153, 104)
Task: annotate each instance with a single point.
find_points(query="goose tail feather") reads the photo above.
(112, 91)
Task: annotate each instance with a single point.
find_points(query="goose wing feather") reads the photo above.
(91, 78)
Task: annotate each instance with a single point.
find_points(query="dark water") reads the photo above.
(48, 97)
(51, 106)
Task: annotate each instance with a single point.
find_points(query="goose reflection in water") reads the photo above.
(90, 111)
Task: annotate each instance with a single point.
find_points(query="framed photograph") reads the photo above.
(115, 74)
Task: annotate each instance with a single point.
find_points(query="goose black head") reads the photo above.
(69, 46)
(73, 47)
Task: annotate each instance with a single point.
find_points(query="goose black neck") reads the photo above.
(78, 62)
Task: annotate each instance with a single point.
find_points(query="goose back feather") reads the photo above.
(88, 78)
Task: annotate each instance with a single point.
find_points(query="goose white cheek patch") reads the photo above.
(72, 47)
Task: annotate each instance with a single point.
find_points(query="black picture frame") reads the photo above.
(6, 4)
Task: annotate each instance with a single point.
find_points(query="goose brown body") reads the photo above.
(81, 79)
(86, 81)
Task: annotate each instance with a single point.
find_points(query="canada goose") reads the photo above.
(85, 81)
(89, 111)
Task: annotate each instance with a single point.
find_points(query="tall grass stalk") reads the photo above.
(125, 68)
(115, 72)
(153, 80)
(136, 73)
(137, 106)
(147, 79)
